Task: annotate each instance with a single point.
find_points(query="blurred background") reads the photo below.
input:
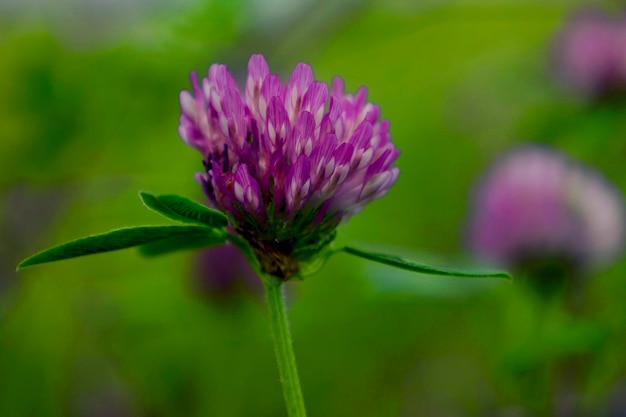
(89, 114)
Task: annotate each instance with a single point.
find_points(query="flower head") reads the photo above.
(286, 162)
(536, 204)
(590, 53)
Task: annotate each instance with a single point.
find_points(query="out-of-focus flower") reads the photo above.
(286, 162)
(536, 204)
(590, 53)
(223, 270)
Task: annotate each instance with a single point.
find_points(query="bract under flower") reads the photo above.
(286, 162)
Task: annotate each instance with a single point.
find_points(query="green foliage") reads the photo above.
(152, 240)
(193, 239)
(401, 263)
(182, 209)
(118, 239)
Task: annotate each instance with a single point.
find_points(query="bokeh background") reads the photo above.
(88, 116)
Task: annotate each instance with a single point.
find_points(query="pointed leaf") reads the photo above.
(398, 262)
(110, 241)
(182, 209)
(190, 240)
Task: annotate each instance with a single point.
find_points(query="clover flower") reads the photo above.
(590, 53)
(535, 203)
(286, 162)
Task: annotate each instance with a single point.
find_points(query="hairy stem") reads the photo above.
(284, 350)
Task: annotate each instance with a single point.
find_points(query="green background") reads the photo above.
(88, 116)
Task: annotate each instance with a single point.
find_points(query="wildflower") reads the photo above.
(284, 165)
(535, 204)
(590, 53)
(286, 162)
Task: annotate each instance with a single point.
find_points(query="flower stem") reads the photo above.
(284, 351)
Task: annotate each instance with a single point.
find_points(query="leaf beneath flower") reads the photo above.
(401, 263)
(110, 241)
(182, 209)
(184, 241)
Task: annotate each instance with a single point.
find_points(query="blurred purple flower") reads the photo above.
(590, 53)
(223, 270)
(535, 203)
(286, 162)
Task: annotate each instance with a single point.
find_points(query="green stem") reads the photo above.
(284, 351)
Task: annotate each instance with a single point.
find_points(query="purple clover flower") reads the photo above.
(286, 162)
(535, 204)
(590, 53)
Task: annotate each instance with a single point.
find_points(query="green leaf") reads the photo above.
(190, 240)
(183, 210)
(401, 263)
(110, 241)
